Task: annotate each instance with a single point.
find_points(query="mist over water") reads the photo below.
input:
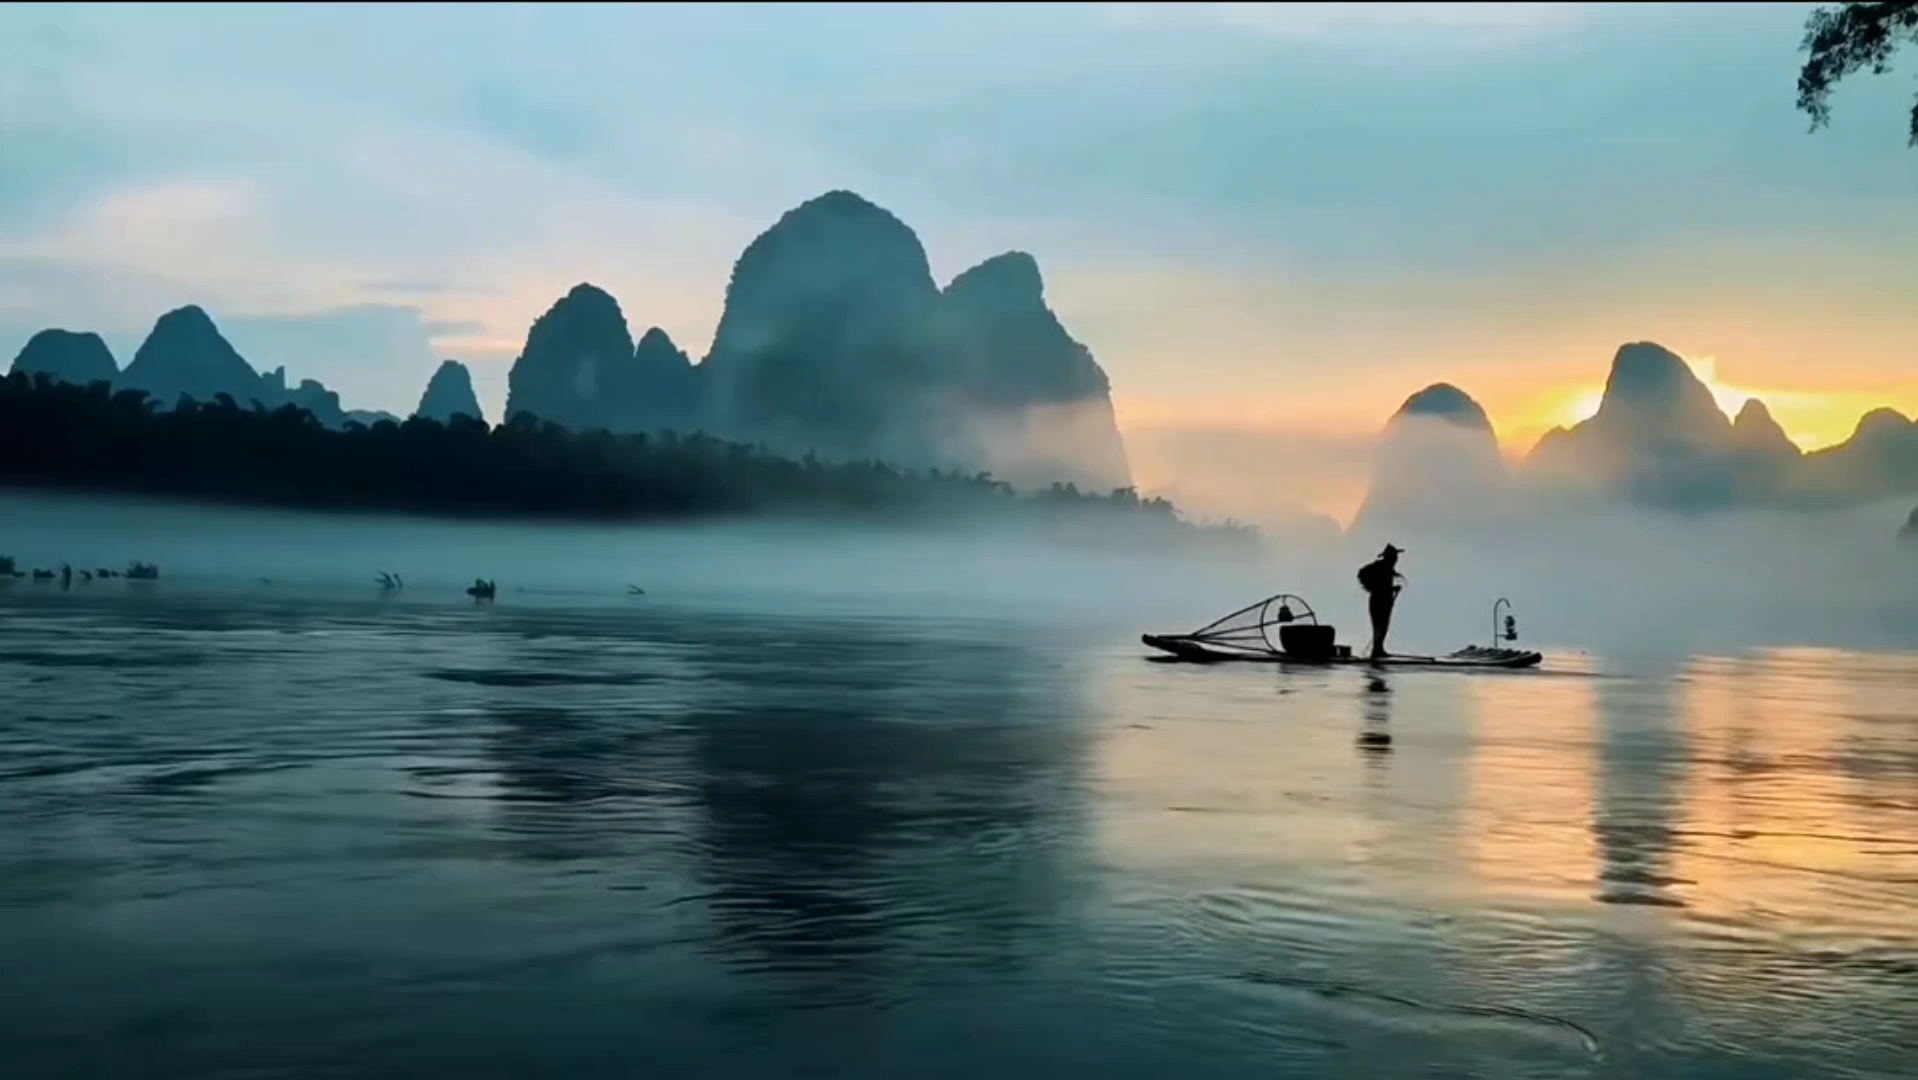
(1587, 577)
(887, 802)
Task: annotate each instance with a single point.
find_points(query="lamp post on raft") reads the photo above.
(1511, 623)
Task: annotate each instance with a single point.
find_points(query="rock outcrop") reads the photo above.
(1763, 457)
(835, 340)
(826, 342)
(671, 392)
(1658, 437)
(1878, 461)
(313, 396)
(577, 368)
(186, 356)
(1036, 407)
(1437, 461)
(449, 393)
(1757, 437)
(79, 358)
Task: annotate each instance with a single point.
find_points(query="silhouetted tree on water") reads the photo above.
(55, 434)
(1847, 38)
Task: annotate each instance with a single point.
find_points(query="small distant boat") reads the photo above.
(1246, 635)
(634, 590)
(44, 575)
(390, 581)
(139, 571)
(482, 589)
(104, 573)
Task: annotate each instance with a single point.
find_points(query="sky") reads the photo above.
(1270, 223)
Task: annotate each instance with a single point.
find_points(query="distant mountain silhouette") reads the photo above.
(1659, 439)
(449, 393)
(1037, 405)
(1755, 435)
(185, 355)
(580, 369)
(78, 358)
(1436, 460)
(370, 417)
(671, 390)
(1879, 460)
(1763, 457)
(835, 340)
(826, 342)
(576, 369)
(311, 395)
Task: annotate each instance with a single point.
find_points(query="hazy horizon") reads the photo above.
(1270, 223)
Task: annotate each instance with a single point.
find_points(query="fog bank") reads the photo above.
(1606, 579)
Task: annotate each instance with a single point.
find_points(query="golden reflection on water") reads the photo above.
(1531, 788)
(1773, 794)
(1804, 818)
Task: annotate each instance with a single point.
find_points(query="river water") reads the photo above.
(252, 828)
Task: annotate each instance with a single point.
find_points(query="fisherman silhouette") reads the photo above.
(1380, 580)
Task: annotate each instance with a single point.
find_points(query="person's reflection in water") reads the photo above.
(1375, 736)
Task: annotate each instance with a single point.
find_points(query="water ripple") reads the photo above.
(279, 832)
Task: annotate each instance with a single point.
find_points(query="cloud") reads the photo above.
(1269, 476)
(1363, 25)
(455, 327)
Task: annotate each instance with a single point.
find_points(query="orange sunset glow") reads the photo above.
(1814, 419)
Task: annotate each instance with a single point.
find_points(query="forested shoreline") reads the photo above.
(55, 435)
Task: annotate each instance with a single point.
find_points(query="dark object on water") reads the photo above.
(482, 589)
(634, 590)
(1245, 632)
(44, 575)
(139, 571)
(1245, 635)
(1308, 641)
(104, 573)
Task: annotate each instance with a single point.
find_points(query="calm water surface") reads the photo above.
(256, 832)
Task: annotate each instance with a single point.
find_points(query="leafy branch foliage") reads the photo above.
(1844, 39)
